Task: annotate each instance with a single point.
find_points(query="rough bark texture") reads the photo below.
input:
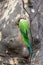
(10, 10)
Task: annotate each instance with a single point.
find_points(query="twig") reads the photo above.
(36, 12)
(24, 8)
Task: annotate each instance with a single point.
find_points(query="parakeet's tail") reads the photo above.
(30, 48)
(31, 51)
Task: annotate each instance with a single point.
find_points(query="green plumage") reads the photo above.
(24, 26)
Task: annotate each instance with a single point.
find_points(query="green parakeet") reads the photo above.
(24, 27)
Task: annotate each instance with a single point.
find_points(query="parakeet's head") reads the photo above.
(24, 26)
